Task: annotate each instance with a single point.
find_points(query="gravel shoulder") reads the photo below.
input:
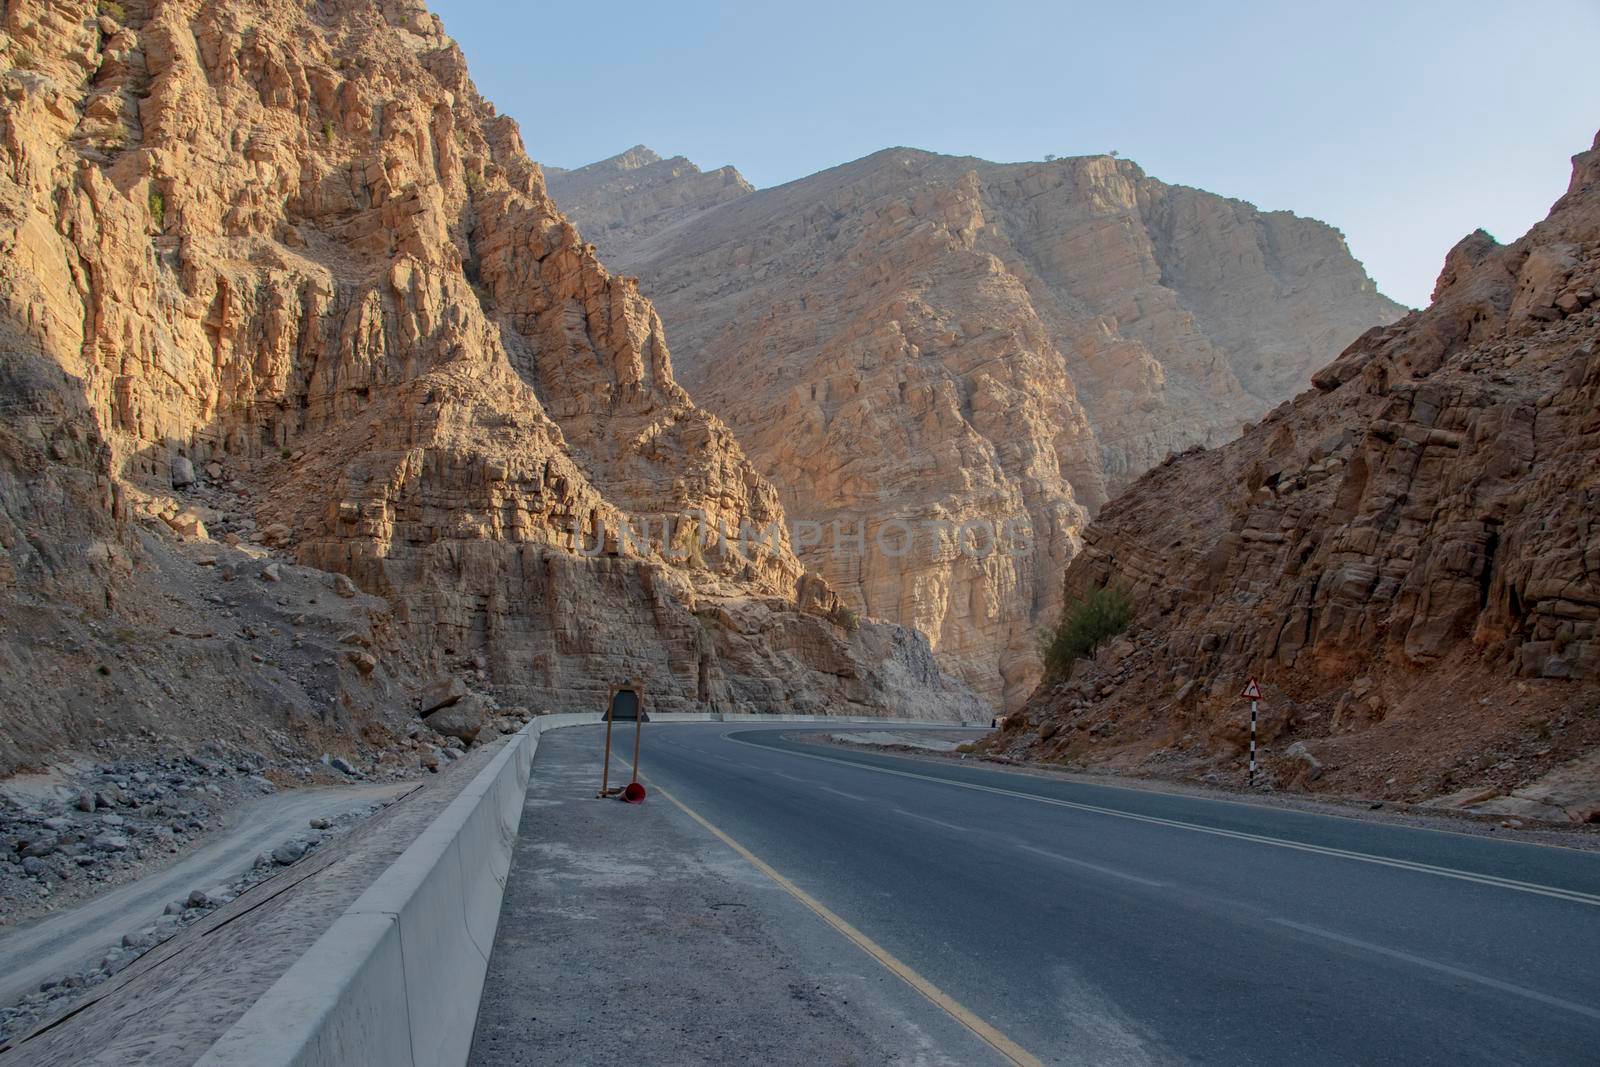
(69, 940)
(171, 1003)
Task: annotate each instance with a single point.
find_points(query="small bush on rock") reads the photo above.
(1086, 623)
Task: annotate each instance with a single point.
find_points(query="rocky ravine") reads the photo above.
(1408, 557)
(283, 261)
(926, 340)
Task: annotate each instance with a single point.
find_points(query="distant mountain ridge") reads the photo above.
(920, 338)
(636, 194)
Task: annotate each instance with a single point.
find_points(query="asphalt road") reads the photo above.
(1093, 924)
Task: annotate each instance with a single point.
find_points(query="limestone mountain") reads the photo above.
(1408, 557)
(926, 341)
(281, 259)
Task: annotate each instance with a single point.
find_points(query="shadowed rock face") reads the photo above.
(294, 240)
(1407, 556)
(921, 339)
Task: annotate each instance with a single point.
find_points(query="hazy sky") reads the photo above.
(1405, 124)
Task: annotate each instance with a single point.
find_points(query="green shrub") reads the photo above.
(158, 209)
(474, 181)
(845, 617)
(327, 129)
(1086, 623)
(115, 10)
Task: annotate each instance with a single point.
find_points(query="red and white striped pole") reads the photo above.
(1252, 693)
(1252, 742)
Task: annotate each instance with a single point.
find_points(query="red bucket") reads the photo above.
(633, 793)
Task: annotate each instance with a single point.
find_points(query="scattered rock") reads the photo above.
(289, 852)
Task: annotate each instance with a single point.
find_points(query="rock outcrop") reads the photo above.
(1407, 556)
(292, 245)
(981, 354)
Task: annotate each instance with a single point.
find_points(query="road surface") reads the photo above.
(1029, 919)
(66, 942)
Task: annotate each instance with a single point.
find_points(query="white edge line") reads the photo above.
(1573, 895)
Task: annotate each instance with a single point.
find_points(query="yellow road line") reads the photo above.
(998, 1041)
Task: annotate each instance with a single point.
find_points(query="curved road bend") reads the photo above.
(1083, 923)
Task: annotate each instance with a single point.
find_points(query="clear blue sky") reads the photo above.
(1405, 124)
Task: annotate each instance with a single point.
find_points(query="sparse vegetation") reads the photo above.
(474, 181)
(158, 209)
(24, 60)
(1086, 623)
(327, 129)
(845, 618)
(113, 9)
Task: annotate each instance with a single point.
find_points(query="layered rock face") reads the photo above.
(981, 354)
(294, 244)
(1408, 556)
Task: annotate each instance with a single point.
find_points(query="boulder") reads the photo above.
(439, 694)
(462, 719)
(182, 472)
(289, 852)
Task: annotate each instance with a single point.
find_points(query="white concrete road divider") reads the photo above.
(397, 978)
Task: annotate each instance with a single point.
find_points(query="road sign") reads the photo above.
(1251, 691)
(627, 702)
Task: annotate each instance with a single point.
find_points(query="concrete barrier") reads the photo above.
(396, 979)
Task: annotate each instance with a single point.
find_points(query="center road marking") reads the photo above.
(1573, 895)
(841, 793)
(1445, 968)
(1091, 866)
(936, 822)
(994, 1038)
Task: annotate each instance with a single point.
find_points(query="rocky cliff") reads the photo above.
(277, 269)
(980, 354)
(1407, 556)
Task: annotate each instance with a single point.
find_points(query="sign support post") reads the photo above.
(626, 699)
(1252, 693)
